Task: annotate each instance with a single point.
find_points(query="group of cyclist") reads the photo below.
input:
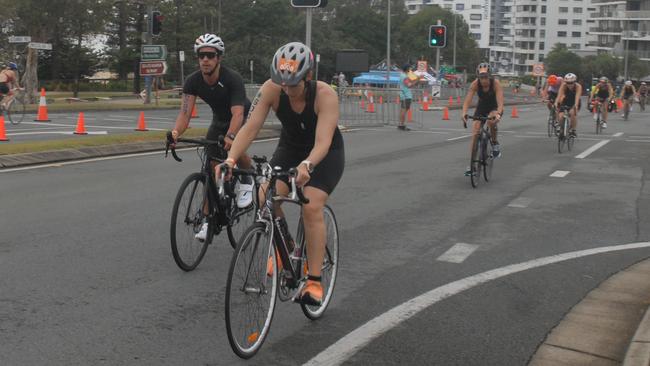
(310, 140)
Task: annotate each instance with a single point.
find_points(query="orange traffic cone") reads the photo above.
(141, 125)
(425, 106)
(514, 114)
(445, 114)
(381, 99)
(410, 116)
(451, 101)
(397, 100)
(363, 104)
(3, 135)
(619, 103)
(42, 108)
(81, 127)
(371, 108)
(194, 114)
(458, 100)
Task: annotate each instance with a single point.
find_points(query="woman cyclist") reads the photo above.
(310, 141)
(627, 93)
(549, 92)
(602, 92)
(8, 82)
(569, 96)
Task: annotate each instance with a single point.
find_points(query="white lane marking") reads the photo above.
(637, 140)
(354, 341)
(99, 126)
(618, 134)
(90, 160)
(560, 173)
(56, 133)
(458, 253)
(520, 202)
(640, 137)
(458, 138)
(590, 150)
(118, 119)
(33, 129)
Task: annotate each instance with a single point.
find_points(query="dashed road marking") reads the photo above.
(458, 138)
(520, 202)
(560, 173)
(458, 253)
(618, 134)
(590, 150)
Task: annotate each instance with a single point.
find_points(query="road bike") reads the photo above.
(199, 200)
(550, 126)
(564, 136)
(642, 100)
(482, 160)
(268, 265)
(15, 109)
(597, 111)
(627, 105)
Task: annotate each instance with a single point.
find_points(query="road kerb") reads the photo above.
(638, 353)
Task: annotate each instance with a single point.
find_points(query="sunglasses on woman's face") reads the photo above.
(570, 83)
(209, 55)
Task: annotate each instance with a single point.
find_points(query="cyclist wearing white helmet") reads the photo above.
(310, 141)
(490, 104)
(643, 93)
(8, 82)
(627, 92)
(602, 92)
(569, 97)
(223, 90)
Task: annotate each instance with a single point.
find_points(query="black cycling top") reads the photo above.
(627, 92)
(489, 97)
(228, 91)
(299, 129)
(603, 93)
(569, 96)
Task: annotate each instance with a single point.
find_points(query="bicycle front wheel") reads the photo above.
(187, 219)
(488, 160)
(16, 111)
(599, 127)
(251, 292)
(475, 163)
(329, 268)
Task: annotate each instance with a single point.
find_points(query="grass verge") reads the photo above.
(90, 141)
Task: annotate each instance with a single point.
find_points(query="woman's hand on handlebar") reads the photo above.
(225, 167)
(303, 175)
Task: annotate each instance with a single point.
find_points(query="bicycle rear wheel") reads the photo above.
(561, 138)
(475, 163)
(330, 266)
(599, 126)
(251, 293)
(569, 142)
(187, 219)
(550, 129)
(16, 111)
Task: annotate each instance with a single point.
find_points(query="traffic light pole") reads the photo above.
(438, 53)
(308, 27)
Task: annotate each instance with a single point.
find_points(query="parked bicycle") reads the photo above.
(268, 265)
(200, 199)
(564, 137)
(481, 161)
(15, 109)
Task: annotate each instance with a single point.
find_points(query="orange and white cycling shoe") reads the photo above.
(312, 293)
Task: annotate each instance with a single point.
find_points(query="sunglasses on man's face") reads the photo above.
(570, 83)
(209, 55)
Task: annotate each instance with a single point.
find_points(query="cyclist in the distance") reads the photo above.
(602, 92)
(569, 96)
(8, 82)
(490, 104)
(223, 90)
(310, 141)
(627, 93)
(550, 90)
(643, 94)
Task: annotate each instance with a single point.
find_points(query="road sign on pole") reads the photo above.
(20, 39)
(538, 70)
(39, 46)
(153, 68)
(153, 52)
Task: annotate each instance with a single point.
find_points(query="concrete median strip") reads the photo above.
(638, 353)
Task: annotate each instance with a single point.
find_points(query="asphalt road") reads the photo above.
(88, 277)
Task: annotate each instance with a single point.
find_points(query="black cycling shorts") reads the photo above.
(485, 110)
(552, 96)
(406, 103)
(4, 89)
(218, 128)
(326, 174)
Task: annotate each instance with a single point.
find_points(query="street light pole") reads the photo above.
(388, 47)
(454, 42)
(308, 28)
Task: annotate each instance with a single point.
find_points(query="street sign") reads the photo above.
(39, 46)
(153, 68)
(538, 70)
(422, 66)
(153, 52)
(181, 55)
(20, 39)
(435, 90)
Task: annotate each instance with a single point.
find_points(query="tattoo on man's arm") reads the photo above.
(186, 102)
(254, 104)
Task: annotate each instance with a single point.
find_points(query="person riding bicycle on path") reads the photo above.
(602, 92)
(550, 90)
(310, 140)
(405, 96)
(223, 90)
(8, 82)
(490, 104)
(627, 92)
(643, 93)
(569, 96)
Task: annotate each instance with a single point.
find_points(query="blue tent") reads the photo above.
(376, 77)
